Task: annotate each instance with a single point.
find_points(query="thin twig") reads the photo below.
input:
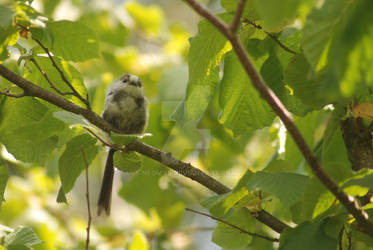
(48, 80)
(257, 26)
(233, 226)
(165, 158)
(88, 229)
(237, 16)
(278, 107)
(64, 78)
(8, 93)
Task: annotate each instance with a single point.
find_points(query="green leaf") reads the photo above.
(72, 163)
(74, 41)
(220, 205)
(205, 53)
(231, 238)
(317, 199)
(307, 236)
(243, 108)
(21, 236)
(350, 56)
(319, 27)
(231, 6)
(276, 14)
(8, 37)
(365, 181)
(27, 130)
(127, 162)
(272, 73)
(3, 180)
(303, 80)
(288, 187)
(72, 75)
(6, 16)
(139, 242)
(307, 126)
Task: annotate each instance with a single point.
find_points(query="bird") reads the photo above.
(126, 110)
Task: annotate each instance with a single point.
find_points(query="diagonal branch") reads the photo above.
(165, 158)
(237, 16)
(362, 218)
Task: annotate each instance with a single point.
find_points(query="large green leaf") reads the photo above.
(350, 55)
(288, 187)
(231, 238)
(21, 237)
(28, 130)
(73, 41)
(304, 81)
(307, 236)
(72, 161)
(205, 53)
(276, 14)
(319, 28)
(272, 73)
(243, 108)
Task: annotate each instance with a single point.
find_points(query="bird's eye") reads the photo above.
(110, 93)
(124, 78)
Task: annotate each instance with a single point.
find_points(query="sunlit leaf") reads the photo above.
(21, 236)
(139, 242)
(243, 108)
(72, 161)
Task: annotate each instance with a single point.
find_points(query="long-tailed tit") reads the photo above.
(126, 110)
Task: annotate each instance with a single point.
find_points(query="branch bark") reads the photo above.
(365, 225)
(165, 158)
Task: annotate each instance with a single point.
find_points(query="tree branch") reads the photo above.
(165, 158)
(365, 225)
(237, 16)
(233, 226)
